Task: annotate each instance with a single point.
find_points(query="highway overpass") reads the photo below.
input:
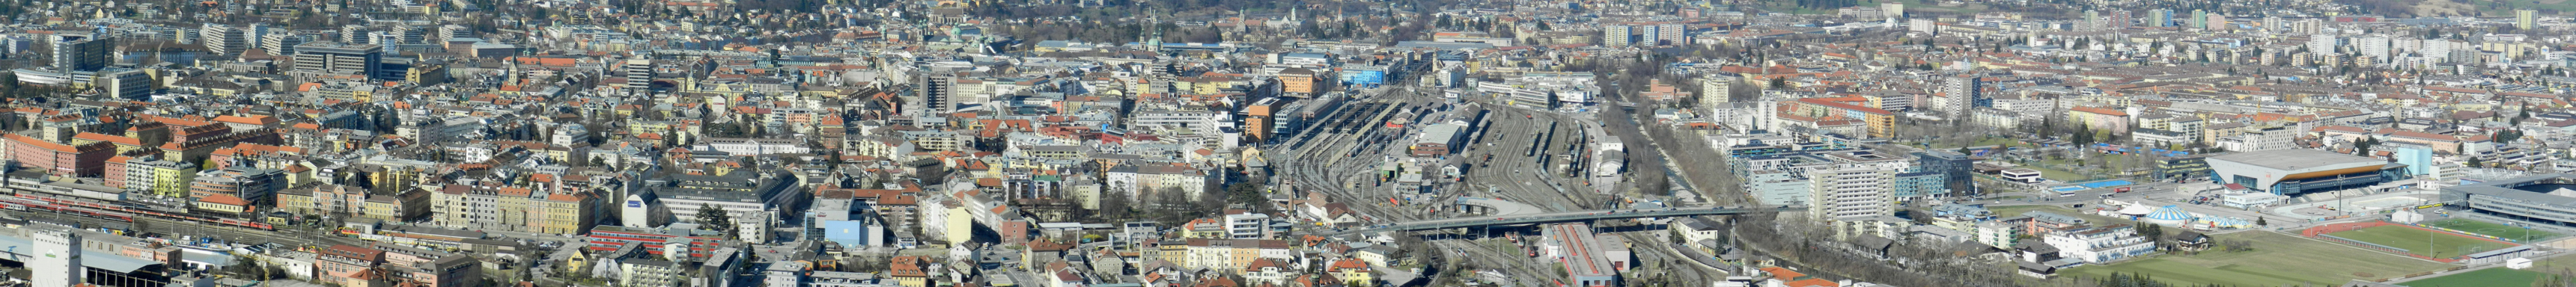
(1571, 216)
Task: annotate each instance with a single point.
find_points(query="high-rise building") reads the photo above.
(2375, 46)
(280, 43)
(1854, 184)
(80, 51)
(1713, 90)
(61, 263)
(2526, 18)
(337, 58)
(1668, 34)
(2160, 17)
(1617, 35)
(639, 72)
(2214, 21)
(221, 39)
(2199, 19)
(2322, 44)
(2118, 19)
(1962, 92)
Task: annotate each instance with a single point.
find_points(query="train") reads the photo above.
(24, 202)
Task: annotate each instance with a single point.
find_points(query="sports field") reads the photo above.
(2493, 229)
(2275, 261)
(2443, 245)
(2496, 276)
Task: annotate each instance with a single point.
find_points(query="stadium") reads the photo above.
(2546, 198)
(2293, 172)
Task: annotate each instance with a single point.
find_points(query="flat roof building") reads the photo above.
(2299, 171)
(2545, 198)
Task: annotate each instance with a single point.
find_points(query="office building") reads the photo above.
(338, 59)
(80, 51)
(1957, 170)
(125, 84)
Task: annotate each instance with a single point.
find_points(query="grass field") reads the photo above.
(2498, 276)
(2413, 240)
(2493, 229)
(2276, 260)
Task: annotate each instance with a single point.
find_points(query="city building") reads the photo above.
(332, 58)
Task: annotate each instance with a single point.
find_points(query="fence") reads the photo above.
(2382, 248)
(2472, 234)
(2340, 227)
(2320, 232)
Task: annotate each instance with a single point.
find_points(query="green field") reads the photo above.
(2488, 277)
(2413, 240)
(2276, 260)
(2493, 229)
(2497, 276)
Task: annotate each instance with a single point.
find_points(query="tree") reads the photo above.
(2475, 162)
(2155, 233)
(2258, 221)
(712, 218)
(1249, 195)
(2507, 136)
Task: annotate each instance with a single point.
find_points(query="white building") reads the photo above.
(750, 146)
(1777, 187)
(60, 265)
(1856, 184)
(2099, 244)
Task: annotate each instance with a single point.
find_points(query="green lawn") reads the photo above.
(2276, 260)
(2496, 276)
(2413, 240)
(2499, 276)
(2493, 229)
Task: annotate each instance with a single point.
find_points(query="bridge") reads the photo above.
(1571, 216)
